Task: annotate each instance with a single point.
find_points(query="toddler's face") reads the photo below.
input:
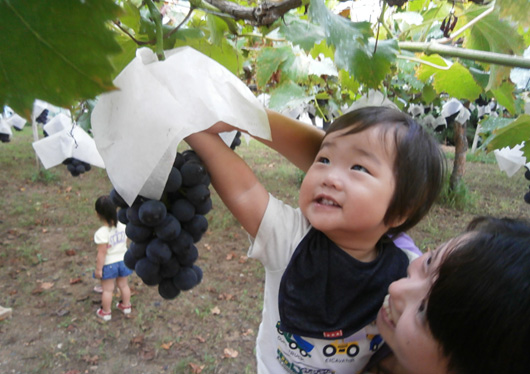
(347, 190)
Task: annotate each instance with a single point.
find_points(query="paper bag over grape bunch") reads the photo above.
(138, 127)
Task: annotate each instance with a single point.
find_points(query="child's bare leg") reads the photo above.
(106, 295)
(125, 291)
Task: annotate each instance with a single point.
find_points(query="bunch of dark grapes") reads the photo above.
(76, 167)
(4, 137)
(163, 232)
(237, 141)
(42, 118)
(527, 194)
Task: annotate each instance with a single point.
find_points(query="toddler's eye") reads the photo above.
(323, 160)
(360, 168)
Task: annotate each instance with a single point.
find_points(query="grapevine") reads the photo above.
(164, 232)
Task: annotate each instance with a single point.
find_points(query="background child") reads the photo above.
(111, 245)
(329, 263)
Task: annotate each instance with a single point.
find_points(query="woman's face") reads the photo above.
(402, 322)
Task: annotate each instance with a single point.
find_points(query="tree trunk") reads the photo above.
(459, 166)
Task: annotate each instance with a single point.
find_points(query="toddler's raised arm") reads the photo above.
(233, 180)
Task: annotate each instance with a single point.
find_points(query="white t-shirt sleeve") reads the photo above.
(102, 235)
(280, 231)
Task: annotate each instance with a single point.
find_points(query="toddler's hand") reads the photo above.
(98, 274)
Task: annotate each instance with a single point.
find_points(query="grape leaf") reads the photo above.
(456, 81)
(302, 33)
(517, 10)
(288, 95)
(353, 51)
(494, 35)
(65, 53)
(504, 95)
(513, 134)
(268, 61)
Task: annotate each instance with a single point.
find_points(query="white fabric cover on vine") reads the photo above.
(138, 127)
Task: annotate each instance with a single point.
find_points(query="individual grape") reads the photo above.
(179, 161)
(198, 194)
(122, 215)
(169, 229)
(174, 180)
(129, 260)
(182, 242)
(152, 212)
(527, 197)
(148, 271)
(527, 174)
(158, 251)
(199, 273)
(167, 289)
(138, 249)
(117, 199)
(190, 155)
(133, 213)
(185, 279)
(192, 173)
(204, 208)
(170, 268)
(183, 210)
(196, 227)
(188, 256)
(138, 233)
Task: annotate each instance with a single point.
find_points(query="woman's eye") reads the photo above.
(422, 306)
(360, 168)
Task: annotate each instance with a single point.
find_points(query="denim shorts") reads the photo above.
(115, 270)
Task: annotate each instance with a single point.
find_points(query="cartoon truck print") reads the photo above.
(296, 342)
(338, 347)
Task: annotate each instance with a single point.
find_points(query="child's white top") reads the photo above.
(116, 240)
(278, 352)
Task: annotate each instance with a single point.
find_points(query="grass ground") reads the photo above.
(47, 257)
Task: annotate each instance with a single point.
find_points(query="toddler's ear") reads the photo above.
(397, 222)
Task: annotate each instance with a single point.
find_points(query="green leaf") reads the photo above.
(513, 134)
(217, 28)
(353, 51)
(225, 53)
(56, 51)
(490, 124)
(370, 68)
(428, 94)
(504, 95)
(456, 81)
(492, 34)
(268, 61)
(302, 33)
(516, 10)
(288, 95)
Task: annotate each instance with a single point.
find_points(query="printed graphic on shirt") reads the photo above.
(116, 238)
(299, 355)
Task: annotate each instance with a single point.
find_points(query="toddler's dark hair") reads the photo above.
(419, 165)
(107, 210)
(479, 306)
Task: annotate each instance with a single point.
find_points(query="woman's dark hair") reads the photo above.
(479, 305)
(107, 210)
(419, 165)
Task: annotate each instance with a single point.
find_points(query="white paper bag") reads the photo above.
(54, 149)
(509, 159)
(138, 127)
